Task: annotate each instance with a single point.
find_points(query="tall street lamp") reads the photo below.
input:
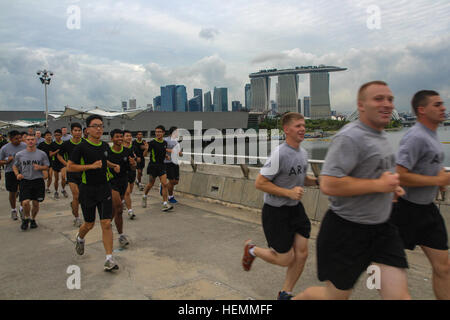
(45, 77)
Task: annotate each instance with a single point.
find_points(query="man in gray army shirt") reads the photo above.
(285, 223)
(355, 232)
(28, 167)
(420, 165)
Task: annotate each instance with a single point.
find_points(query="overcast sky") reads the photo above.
(128, 49)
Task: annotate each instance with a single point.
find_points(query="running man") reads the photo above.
(7, 154)
(127, 144)
(73, 178)
(156, 168)
(3, 141)
(139, 146)
(171, 163)
(28, 168)
(121, 156)
(420, 165)
(65, 136)
(359, 177)
(285, 223)
(47, 147)
(90, 158)
(57, 166)
(39, 138)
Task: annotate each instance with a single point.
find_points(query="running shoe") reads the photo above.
(247, 258)
(48, 191)
(14, 214)
(79, 245)
(110, 265)
(123, 241)
(131, 215)
(141, 187)
(124, 205)
(166, 207)
(283, 295)
(144, 201)
(56, 195)
(173, 200)
(77, 222)
(21, 213)
(33, 224)
(25, 223)
(64, 193)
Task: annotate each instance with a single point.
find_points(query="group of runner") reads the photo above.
(380, 203)
(101, 177)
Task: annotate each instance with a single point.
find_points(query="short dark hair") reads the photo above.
(172, 129)
(115, 131)
(14, 133)
(57, 131)
(368, 84)
(63, 128)
(161, 127)
(23, 132)
(47, 132)
(289, 116)
(139, 132)
(420, 99)
(93, 117)
(75, 125)
(126, 131)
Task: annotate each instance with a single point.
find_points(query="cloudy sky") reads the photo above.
(119, 50)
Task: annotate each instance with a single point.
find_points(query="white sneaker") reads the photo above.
(131, 214)
(77, 222)
(144, 201)
(14, 214)
(166, 207)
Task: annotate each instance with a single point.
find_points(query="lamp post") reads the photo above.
(45, 77)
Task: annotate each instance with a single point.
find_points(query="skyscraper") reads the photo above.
(199, 92)
(168, 98)
(307, 107)
(220, 99)
(248, 96)
(208, 102)
(236, 106)
(181, 99)
(287, 93)
(260, 88)
(132, 104)
(124, 105)
(194, 104)
(320, 95)
(157, 103)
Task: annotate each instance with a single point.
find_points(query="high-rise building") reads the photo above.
(168, 98)
(195, 104)
(287, 93)
(208, 102)
(181, 99)
(199, 92)
(157, 103)
(220, 99)
(124, 105)
(307, 107)
(260, 88)
(236, 106)
(299, 105)
(320, 95)
(132, 104)
(273, 107)
(248, 96)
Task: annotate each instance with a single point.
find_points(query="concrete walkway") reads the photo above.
(193, 252)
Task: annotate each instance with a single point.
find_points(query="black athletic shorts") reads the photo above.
(280, 224)
(131, 176)
(119, 185)
(156, 170)
(95, 196)
(420, 225)
(56, 165)
(173, 171)
(11, 183)
(141, 165)
(346, 249)
(32, 190)
(74, 177)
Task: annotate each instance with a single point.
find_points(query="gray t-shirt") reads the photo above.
(66, 137)
(25, 160)
(361, 152)
(286, 168)
(172, 144)
(421, 152)
(10, 150)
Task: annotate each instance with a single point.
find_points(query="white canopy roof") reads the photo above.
(81, 114)
(20, 123)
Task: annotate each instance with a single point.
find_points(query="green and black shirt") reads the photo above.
(87, 152)
(120, 158)
(157, 151)
(67, 148)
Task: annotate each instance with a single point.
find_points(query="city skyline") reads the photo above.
(121, 51)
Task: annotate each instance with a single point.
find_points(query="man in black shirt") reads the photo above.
(73, 178)
(46, 146)
(56, 165)
(121, 156)
(157, 148)
(90, 158)
(139, 146)
(127, 144)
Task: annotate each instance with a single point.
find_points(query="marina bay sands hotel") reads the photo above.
(287, 89)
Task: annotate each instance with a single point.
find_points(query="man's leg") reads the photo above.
(295, 269)
(63, 181)
(12, 200)
(26, 208)
(34, 209)
(329, 292)
(117, 211)
(107, 236)
(441, 271)
(85, 228)
(171, 186)
(50, 177)
(128, 196)
(394, 283)
(165, 185)
(56, 175)
(75, 203)
(139, 175)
